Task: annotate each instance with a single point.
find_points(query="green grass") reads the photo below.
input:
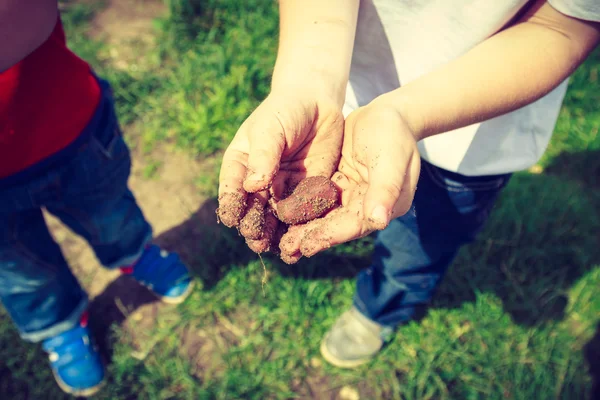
(206, 73)
(510, 321)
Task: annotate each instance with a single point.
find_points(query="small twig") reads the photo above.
(265, 276)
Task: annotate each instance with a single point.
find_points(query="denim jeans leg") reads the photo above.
(412, 255)
(37, 288)
(95, 200)
(116, 230)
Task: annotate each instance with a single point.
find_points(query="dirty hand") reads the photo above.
(377, 175)
(291, 135)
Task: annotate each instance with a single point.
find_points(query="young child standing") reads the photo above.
(61, 149)
(454, 95)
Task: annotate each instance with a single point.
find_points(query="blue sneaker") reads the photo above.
(75, 362)
(163, 273)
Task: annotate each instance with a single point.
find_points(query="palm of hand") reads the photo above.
(379, 161)
(282, 142)
(317, 154)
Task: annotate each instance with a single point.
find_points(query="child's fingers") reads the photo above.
(386, 180)
(290, 242)
(266, 141)
(232, 196)
(340, 226)
(252, 224)
(264, 244)
(291, 258)
(388, 158)
(409, 186)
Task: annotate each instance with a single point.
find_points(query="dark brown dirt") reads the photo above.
(312, 198)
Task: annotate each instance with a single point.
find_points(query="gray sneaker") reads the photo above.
(353, 340)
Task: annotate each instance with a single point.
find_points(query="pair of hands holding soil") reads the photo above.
(298, 179)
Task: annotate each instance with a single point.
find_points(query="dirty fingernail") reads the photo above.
(380, 215)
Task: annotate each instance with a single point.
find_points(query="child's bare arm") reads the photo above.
(24, 26)
(315, 44)
(297, 130)
(509, 70)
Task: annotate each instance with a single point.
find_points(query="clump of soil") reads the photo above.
(313, 197)
(263, 225)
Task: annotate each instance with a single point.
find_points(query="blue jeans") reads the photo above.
(413, 253)
(85, 186)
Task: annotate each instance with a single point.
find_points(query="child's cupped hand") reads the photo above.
(377, 175)
(291, 135)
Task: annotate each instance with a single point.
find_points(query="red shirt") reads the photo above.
(46, 100)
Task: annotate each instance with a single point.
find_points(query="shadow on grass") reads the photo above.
(540, 239)
(209, 249)
(578, 167)
(119, 299)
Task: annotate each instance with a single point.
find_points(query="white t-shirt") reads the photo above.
(400, 40)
